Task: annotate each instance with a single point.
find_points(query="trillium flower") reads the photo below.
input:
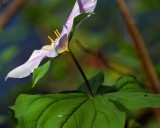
(57, 46)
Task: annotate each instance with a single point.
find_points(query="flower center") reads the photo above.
(50, 47)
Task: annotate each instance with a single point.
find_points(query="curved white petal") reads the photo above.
(87, 5)
(28, 67)
(80, 7)
(53, 53)
(75, 12)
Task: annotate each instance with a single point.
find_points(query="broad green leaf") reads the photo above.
(124, 83)
(77, 110)
(132, 95)
(95, 82)
(67, 111)
(129, 83)
(40, 72)
(135, 100)
(76, 21)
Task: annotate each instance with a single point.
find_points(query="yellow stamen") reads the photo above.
(51, 39)
(58, 32)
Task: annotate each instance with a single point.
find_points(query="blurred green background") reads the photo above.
(105, 31)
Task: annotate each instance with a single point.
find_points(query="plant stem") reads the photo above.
(91, 95)
(141, 48)
(142, 51)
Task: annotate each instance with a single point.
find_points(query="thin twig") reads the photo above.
(14, 6)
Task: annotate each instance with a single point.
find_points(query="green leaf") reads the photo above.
(12, 116)
(95, 82)
(40, 72)
(67, 111)
(77, 110)
(135, 100)
(129, 83)
(132, 95)
(124, 83)
(76, 21)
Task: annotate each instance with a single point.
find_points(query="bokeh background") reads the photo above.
(27, 29)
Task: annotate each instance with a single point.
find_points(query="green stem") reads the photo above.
(83, 75)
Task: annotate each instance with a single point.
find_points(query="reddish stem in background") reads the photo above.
(99, 55)
(140, 47)
(12, 8)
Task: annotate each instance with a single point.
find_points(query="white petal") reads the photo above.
(87, 5)
(53, 53)
(28, 67)
(80, 7)
(75, 12)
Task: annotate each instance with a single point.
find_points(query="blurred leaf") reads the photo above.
(1, 29)
(146, 6)
(95, 82)
(3, 119)
(8, 53)
(40, 72)
(76, 21)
